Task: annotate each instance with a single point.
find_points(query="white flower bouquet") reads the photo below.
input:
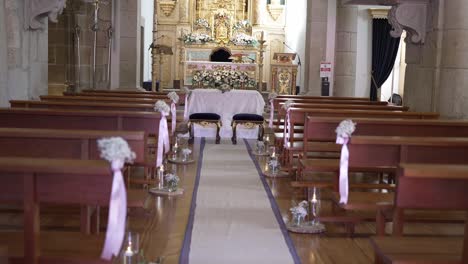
(203, 23)
(173, 96)
(243, 39)
(186, 151)
(288, 104)
(222, 79)
(172, 181)
(299, 212)
(116, 149)
(272, 96)
(162, 107)
(196, 38)
(345, 128)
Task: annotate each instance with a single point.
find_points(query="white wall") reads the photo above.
(147, 8)
(295, 30)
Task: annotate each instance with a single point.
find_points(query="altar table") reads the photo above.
(226, 105)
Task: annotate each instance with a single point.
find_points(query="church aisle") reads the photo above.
(233, 220)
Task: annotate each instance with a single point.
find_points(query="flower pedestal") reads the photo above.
(273, 167)
(261, 149)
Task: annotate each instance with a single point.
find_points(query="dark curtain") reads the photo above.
(384, 51)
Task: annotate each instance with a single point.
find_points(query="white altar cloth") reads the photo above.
(226, 105)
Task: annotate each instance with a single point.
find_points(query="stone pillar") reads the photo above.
(27, 55)
(453, 92)
(129, 48)
(346, 40)
(4, 93)
(316, 44)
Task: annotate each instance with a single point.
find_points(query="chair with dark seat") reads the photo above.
(203, 119)
(248, 120)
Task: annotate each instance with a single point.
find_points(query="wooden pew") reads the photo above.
(75, 144)
(83, 120)
(320, 134)
(37, 181)
(125, 100)
(123, 92)
(125, 95)
(117, 96)
(344, 98)
(298, 116)
(428, 187)
(80, 119)
(83, 105)
(383, 154)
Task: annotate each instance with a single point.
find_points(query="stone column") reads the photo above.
(346, 40)
(27, 55)
(129, 49)
(4, 93)
(316, 44)
(453, 91)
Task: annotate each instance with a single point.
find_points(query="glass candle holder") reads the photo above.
(161, 177)
(131, 247)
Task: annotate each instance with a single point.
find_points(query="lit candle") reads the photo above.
(161, 177)
(273, 155)
(314, 198)
(129, 252)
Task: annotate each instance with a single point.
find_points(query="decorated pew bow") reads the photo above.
(187, 92)
(271, 98)
(174, 100)
(287, 121)
(117, 152)
(163, 135)
(343, 133)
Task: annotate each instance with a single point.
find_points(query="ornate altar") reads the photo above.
(283, 73)
(221, 40)
(198, 29)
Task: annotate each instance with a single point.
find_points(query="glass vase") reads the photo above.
(298, 220)
(172, 186)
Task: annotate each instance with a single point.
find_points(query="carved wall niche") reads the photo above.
(37, 11)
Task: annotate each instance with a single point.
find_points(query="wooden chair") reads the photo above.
(248, 120)
(428, 187)
(204, 119)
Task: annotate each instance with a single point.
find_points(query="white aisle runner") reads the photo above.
(234, 220)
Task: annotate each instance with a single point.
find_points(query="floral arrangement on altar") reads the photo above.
(243, 39)
(197, 38)
(222, 79)
(202, 23)
(242, 25)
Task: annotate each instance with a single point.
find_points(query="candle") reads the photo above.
(161, 177)
(175, 145)
(273, 155)
(262, 35)
(314, 198)
(129, 252)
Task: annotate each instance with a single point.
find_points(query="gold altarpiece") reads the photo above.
(222, 21)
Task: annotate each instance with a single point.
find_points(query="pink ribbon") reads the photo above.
(174, 116)
(287, 126)
(186, 108)
(272, 111)
(344, 164)
(163, 139)
(117, 214)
